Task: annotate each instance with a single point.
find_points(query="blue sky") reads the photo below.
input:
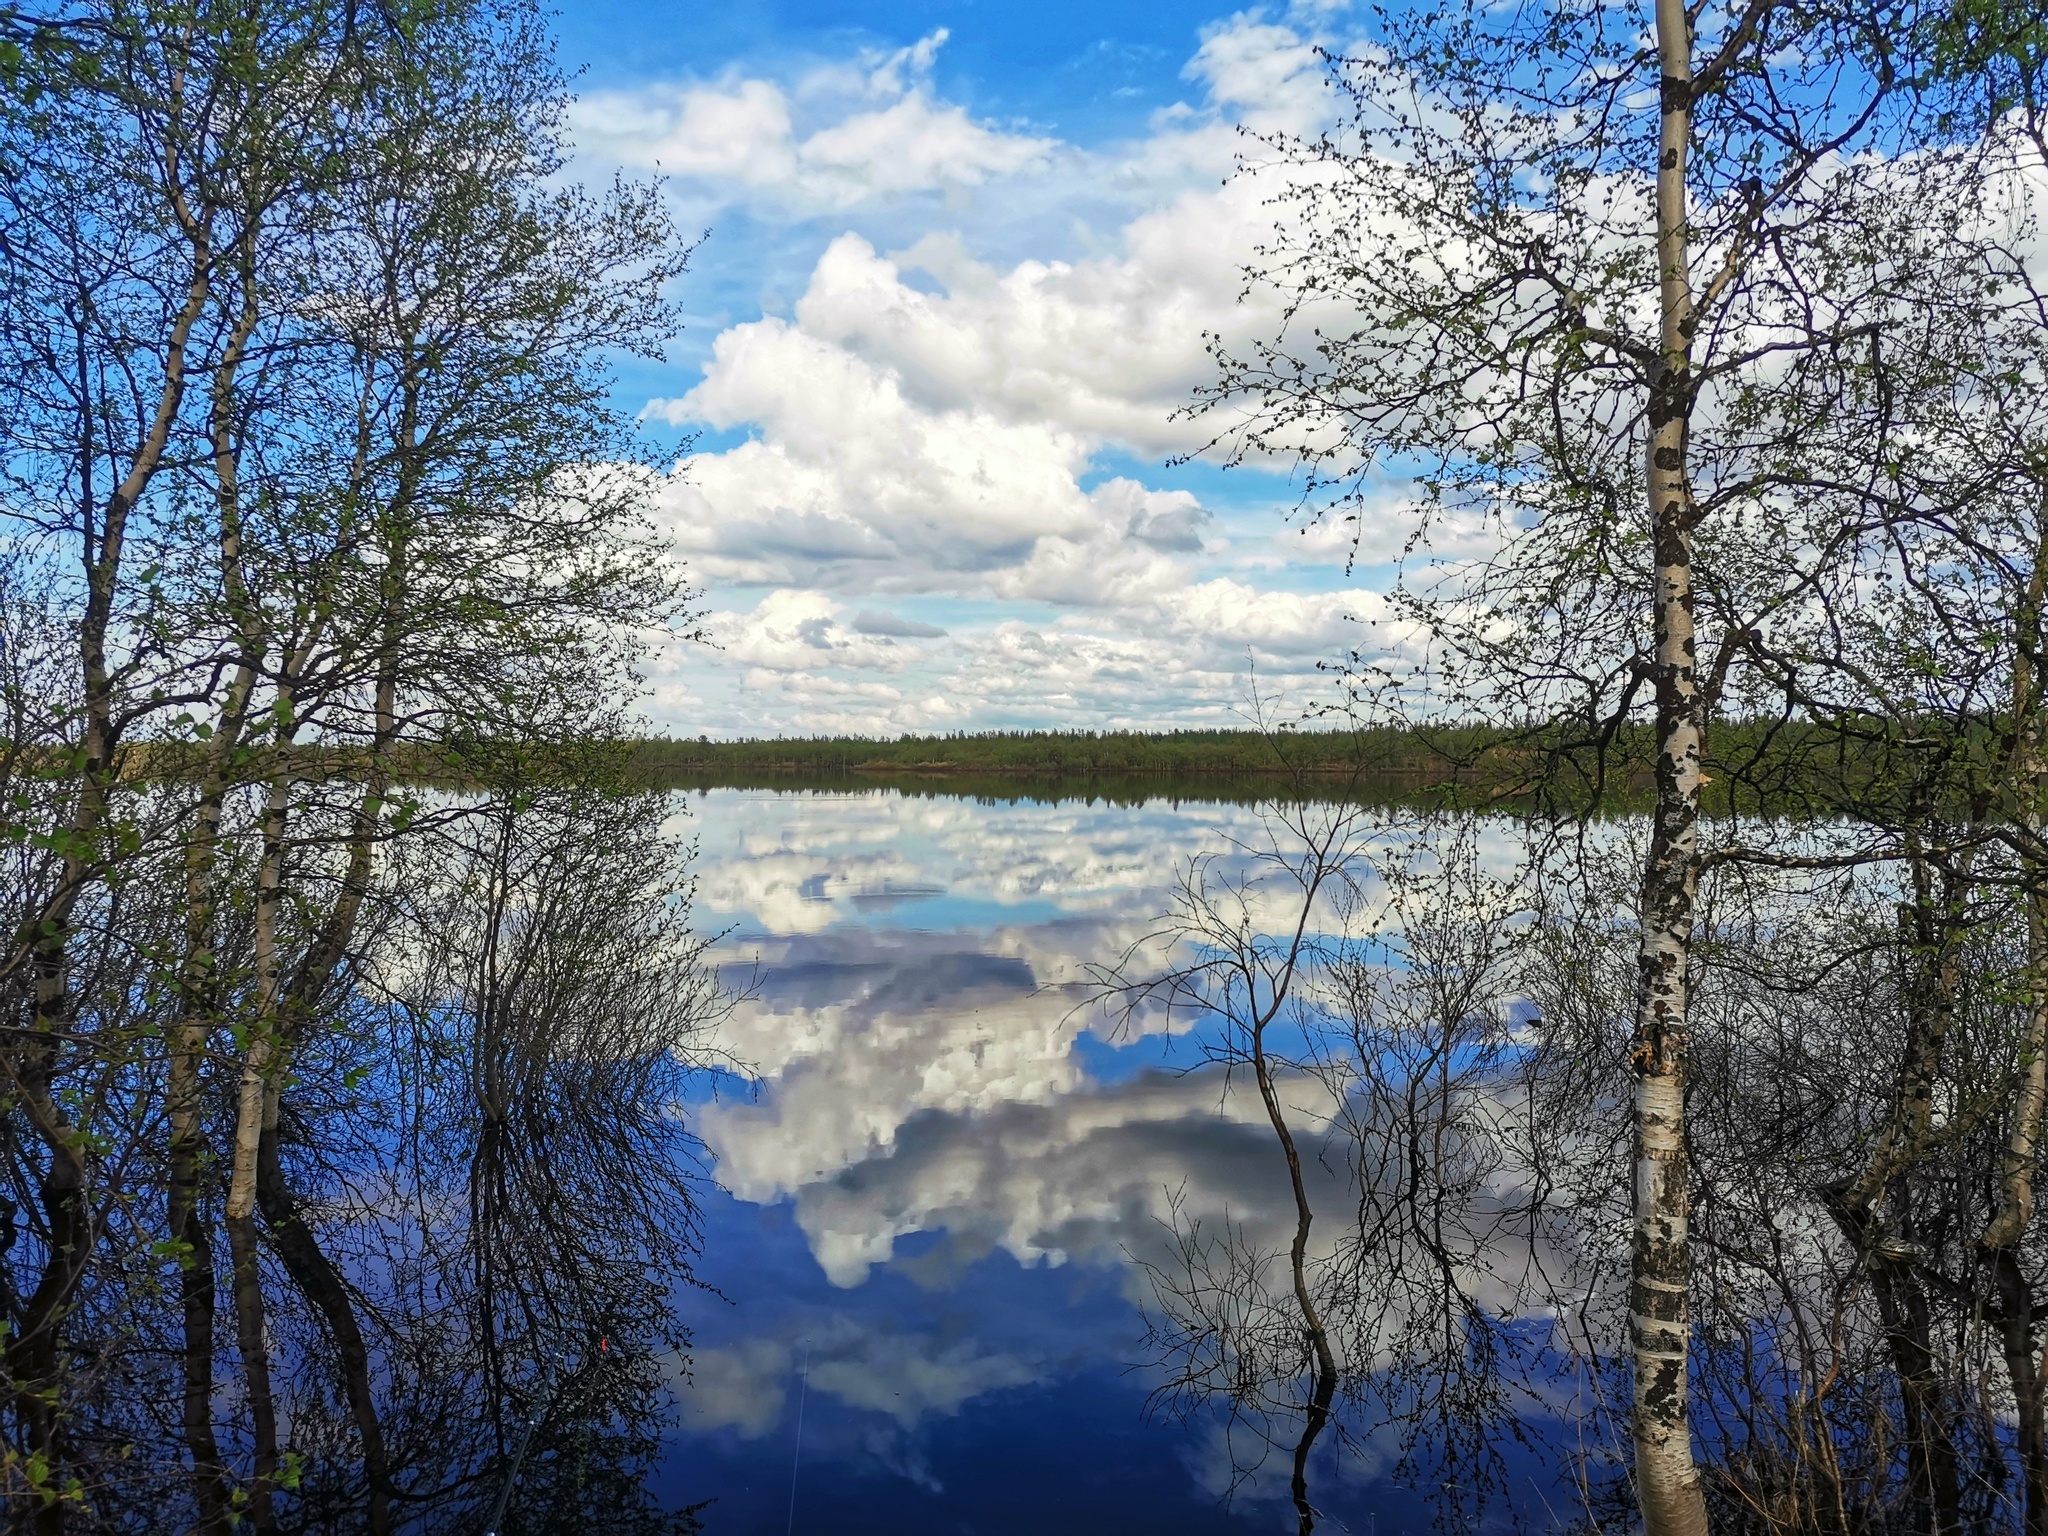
(959, 263)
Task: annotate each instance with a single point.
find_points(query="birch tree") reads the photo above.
(140, 179)
(307, 290)
(1558, 266)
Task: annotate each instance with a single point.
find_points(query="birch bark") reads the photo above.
(1667, 1480)
(258, 1071)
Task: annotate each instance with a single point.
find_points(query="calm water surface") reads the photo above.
(934, 1166)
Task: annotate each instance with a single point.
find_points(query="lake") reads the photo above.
(934, 1170)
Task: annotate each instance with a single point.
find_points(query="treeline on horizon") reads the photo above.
(1231, 753)
(1757, 766)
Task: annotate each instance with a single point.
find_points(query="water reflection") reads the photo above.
(961, 1228)
(941, 1176)
(967, 1229)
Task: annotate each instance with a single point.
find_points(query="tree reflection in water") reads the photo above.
(535, 1020)
(474, 1197)
(1351, 970)
(1438, 1035)
(529, 1024)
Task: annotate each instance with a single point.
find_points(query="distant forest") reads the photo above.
(1759, 767)
(1429, 755)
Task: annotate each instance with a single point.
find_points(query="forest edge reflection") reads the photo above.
(1468, 1035)
(1459, 1056)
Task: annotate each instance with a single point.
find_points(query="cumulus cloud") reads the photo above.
(842, 136)
(1267, 70)
(1088, 858)
(1088, 1176)
(796, 631)
(1183, 653)
(927, 1082)
(855, 486)
(940, 1095)
(918, 1082)
(1167, 520)
(1139, 643)
(1110, 348)
(850, 484)
(911, 1030)
(904, 437)
(913, 1080)
(924, 420)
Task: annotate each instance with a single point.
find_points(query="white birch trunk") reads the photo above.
(256, 1061)
(1667, 1480)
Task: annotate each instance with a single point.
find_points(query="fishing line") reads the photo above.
(803, 1393)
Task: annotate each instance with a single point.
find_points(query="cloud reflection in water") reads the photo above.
(934, 1166)
(940, 1166)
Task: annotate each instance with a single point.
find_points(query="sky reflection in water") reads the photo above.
(933, 1165)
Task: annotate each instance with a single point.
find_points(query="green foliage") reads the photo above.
(1995, 50)
(313, 481)
(1083, 754)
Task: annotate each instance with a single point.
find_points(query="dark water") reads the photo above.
(934, 1167)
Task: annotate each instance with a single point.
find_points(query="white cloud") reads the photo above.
(853, 485)
(906, 1376)
(1266, 70)
(870, 622)
(739, 129)
(862, 1037)
(1086, 1176)
(908, 441)
(1183, 653)
(1154, 647)
(880, 132)
(738, 1387)
(909, 1376)
(1391, 527)
(1169, 520)
(1109, 348)
(795, 631)
(927, 1082)
(913, 145)
(926, 421)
